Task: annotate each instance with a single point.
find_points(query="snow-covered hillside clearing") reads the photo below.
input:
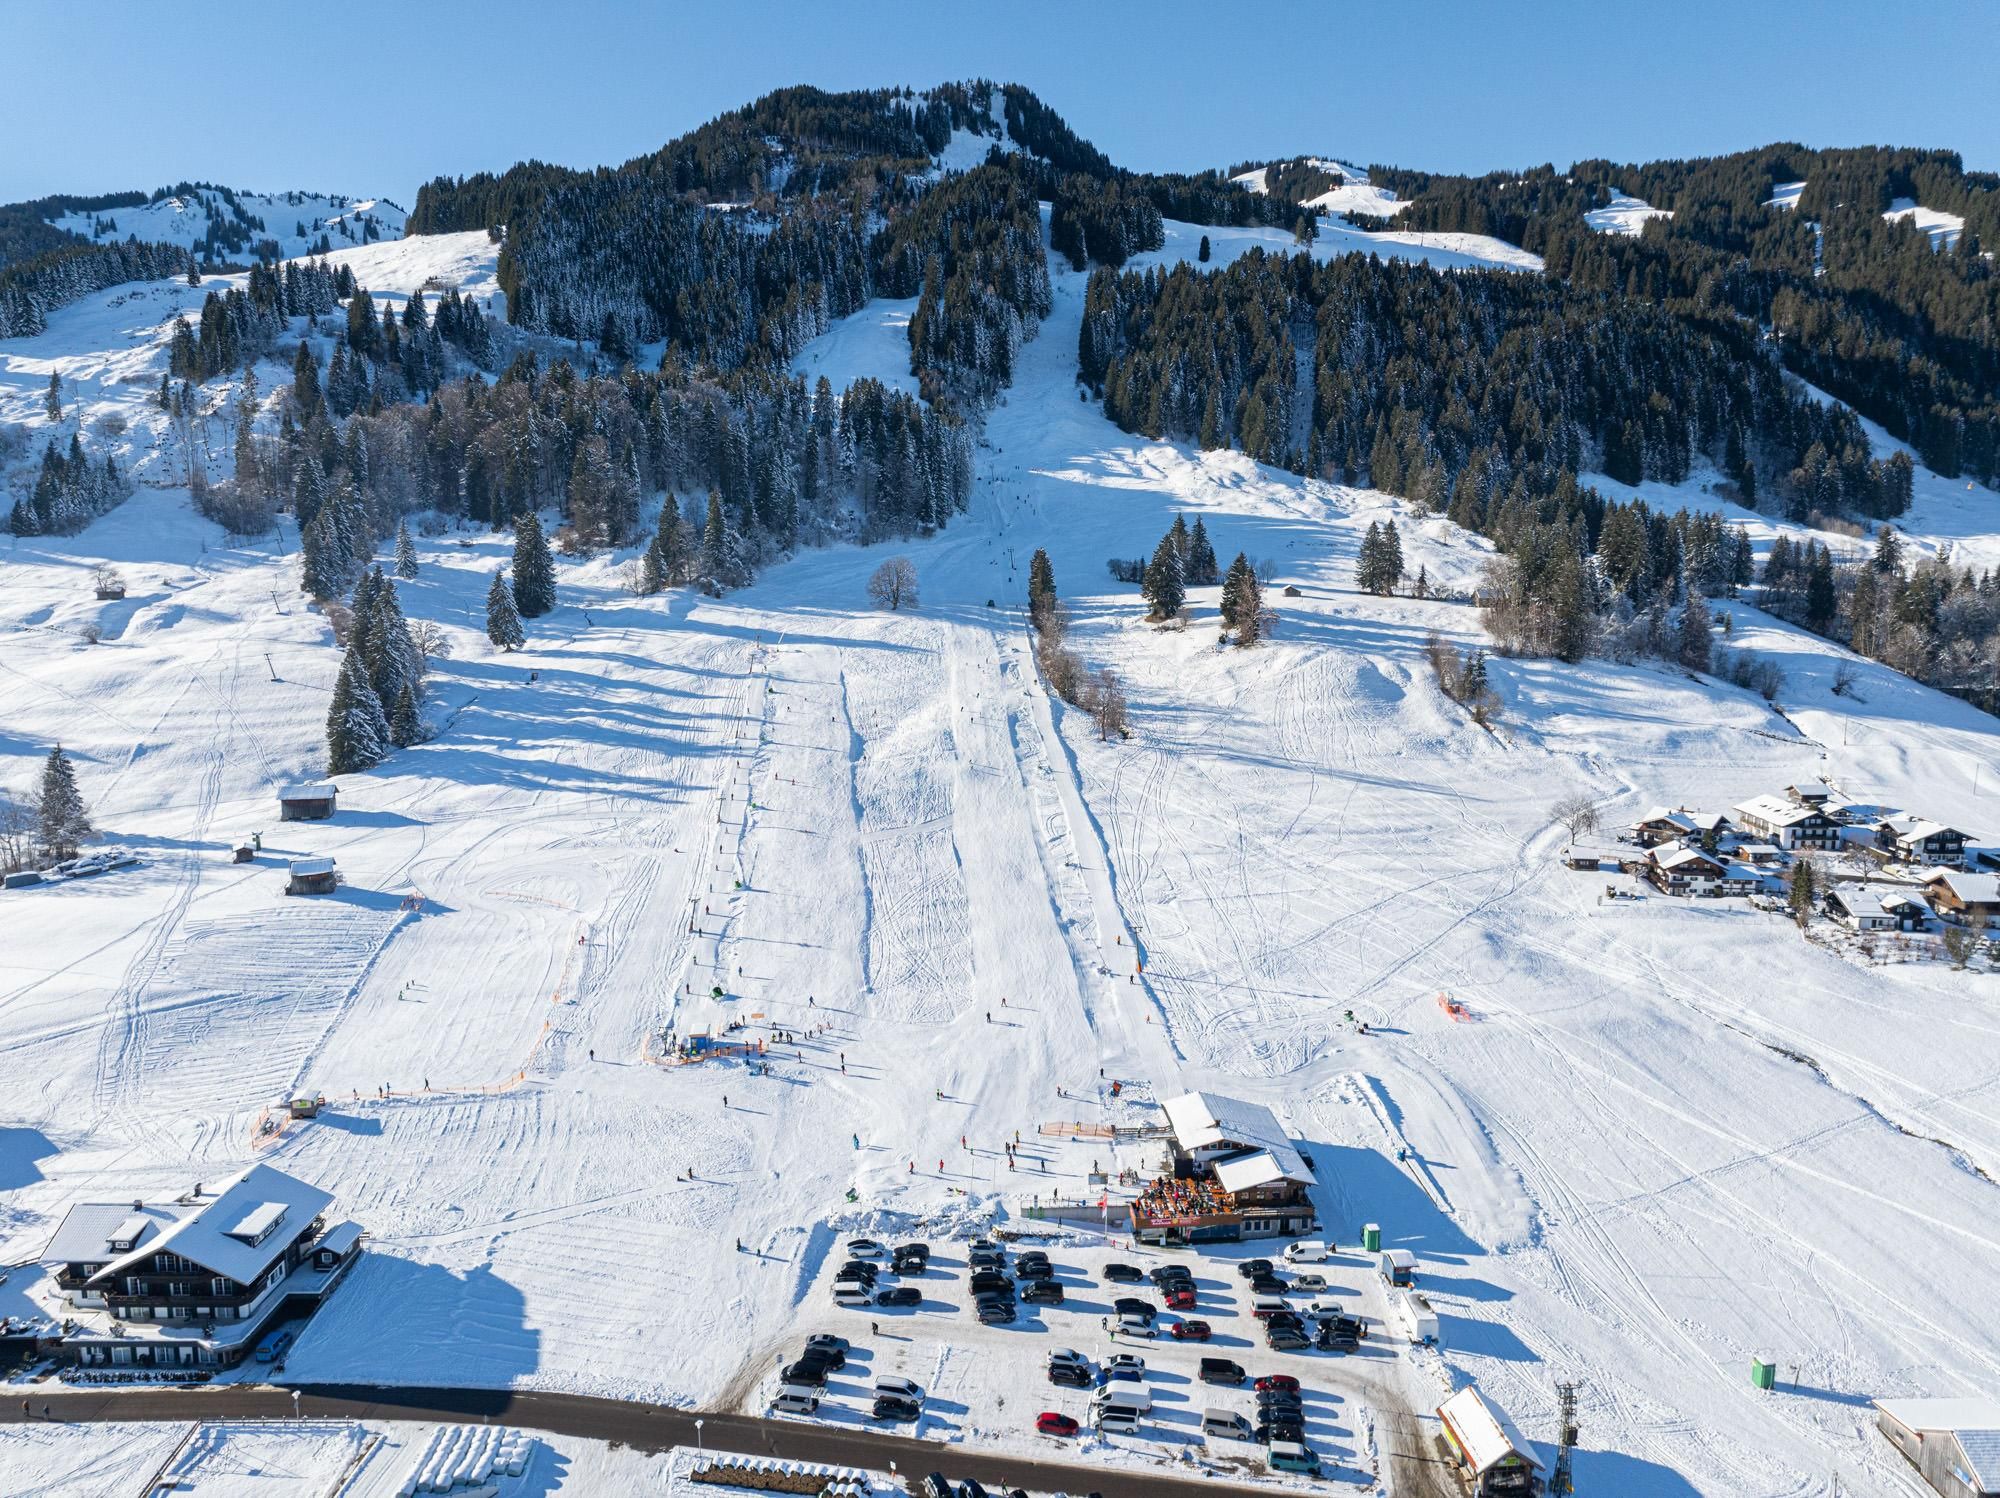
(297, 221)
(1674, 1135)
(1624, 214)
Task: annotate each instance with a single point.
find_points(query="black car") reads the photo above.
(858, 1269)
(1267, 1284)
(1280, 1430)
(806, 1371)
(1127, 1305)
(1032, 1256)
(1221, 1371)
(921, 1252)
(1290, 1321)
(1042, 1292)
(1123, 1274)
(987, 1258)
(1167, 1272)
(1071, 1376)
(896, 1407)
(937, 1485)
(991, 1281)
(1279, 1399)
(900, 1295)
(970, 1489)
(1339, 1334)
(825, 1344)
(1249, 1269)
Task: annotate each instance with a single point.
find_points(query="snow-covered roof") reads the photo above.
(1203, 1120)
(1775, 810)
(339, 1238)
(89, 1228)
(215, 1234)
(1674, 858)
(1484, 1433)
(312, 865)
(1669, 816)
(311, 790)
(1914, 828)
(1971, 889)
(1810, 790)
(1249, 1171)
(1973, 1413)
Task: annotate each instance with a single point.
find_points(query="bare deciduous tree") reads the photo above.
(1106, 701)
(432, 643)
(893, 585)
(1578, 813)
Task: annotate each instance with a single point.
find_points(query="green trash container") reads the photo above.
(1371, 1238)
(1763, 1373)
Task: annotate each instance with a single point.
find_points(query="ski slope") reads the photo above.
(1675, 1135)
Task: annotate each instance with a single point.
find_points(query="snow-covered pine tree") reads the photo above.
(534, 568)
(503, 620)
(357, 733)
(1041, 587)
(323, 563)
(406, 552)
(52, 402)
(1200, 566)
(1233, 583)
(406, 724)
(61, 819)
(666, 561)
(1162, 581)
(1694, 644)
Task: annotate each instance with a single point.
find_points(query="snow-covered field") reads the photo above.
(1624, 214)
(1673, 1136)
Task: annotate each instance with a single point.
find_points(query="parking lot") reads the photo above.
(987, 1383)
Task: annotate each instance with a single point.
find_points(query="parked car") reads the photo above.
(274, 1348)
(1340, 1334)
(1221, 1371)
(1326, 1305)
(1226, 1424)
(1281, 1399)
(1192, 1331)
(1052, 1423)
(1126, 1366)
(911, 1258)
(996, 1314)
(865, 1248)
(827, 1342)
(900, 1295)
(1276, 1381)
(1268, 1431)
(987, 1258)
(1303, 1284)
(809, 1371)
(1131, 1305)
(1250, 1268)
(991, 1282)
(1286, 1339)
(971, 1489)
(1122, 1274)
(849, 1293)
(1068, 1355)
(1071, 1375)
(1312, 1251)
(1293, 1456)
(1135, 1326)
(1179, 1299)
(1034, 1258)
(1042, 1292)
(895, 1407)
(1268, 1284)
(859, 1269)
(937, 1485)
(1166, 1272)
(1266, 1306)
(981, 1245)
(899, 1388)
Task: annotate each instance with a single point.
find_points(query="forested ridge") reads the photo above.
(1864, 307)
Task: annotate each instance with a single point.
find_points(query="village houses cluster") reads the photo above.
(1891, 870)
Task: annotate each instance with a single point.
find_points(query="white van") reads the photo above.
(796, 1399)
(849, 1294)
(1124, 1397)
(900, 1388)
(1312, 1251)
(1398, 1267)
(1226, 1424)
(1116, 1421)
(1269, 1305)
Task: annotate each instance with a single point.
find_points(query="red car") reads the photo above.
(1282, 1381)
(1180, 1300)
(1191, 1331)
(1049, 1423)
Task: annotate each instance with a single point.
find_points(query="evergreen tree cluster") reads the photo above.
(1440, 387)
(242, 324)
(1108, 222)
(32, 288)
(1864, 307)
(70, 491)
(1379, 568)
(378, 697)
(1183, 559)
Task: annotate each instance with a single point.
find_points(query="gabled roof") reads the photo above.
(312, 865)
(1674, 858)
(1484, 1433)
(1915, 829)
(215, 1234)
(1203, 1120)
(87, 1229)
(310, 790)
(1248, 1171)
(1942, 1414)
(1981, 1449)
(1972, 889)
(1668, 815)
(1776, 811)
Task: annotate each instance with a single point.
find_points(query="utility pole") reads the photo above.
(1561, 1481)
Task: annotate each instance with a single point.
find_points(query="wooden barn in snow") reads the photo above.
(311, 802)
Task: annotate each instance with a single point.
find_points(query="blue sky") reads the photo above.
(368, 97)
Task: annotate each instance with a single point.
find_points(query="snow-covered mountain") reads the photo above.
(233, 223)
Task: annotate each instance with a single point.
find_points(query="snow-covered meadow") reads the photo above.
(1673, 1135)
